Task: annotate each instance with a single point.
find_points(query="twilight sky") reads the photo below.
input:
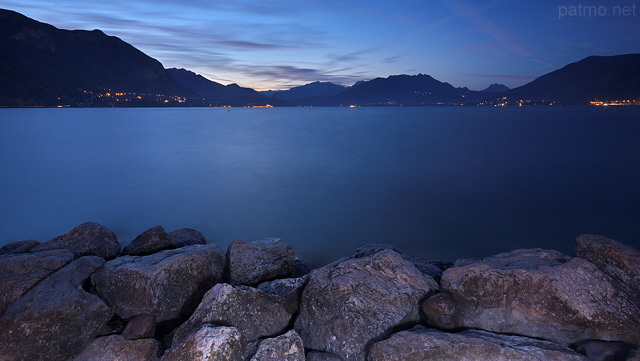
(277, 44)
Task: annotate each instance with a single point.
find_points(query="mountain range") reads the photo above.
(41, 65)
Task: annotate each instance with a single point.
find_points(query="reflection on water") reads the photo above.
(440, 182)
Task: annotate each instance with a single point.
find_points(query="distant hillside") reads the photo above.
(217, 93)
(595, 77)
(315, 89)
(496, 88)
(40, 64)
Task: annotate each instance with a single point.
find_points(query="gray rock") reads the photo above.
(540, 294)
(596, 350)
(21, 272)
(56, 319)
(289, 289)
(322, 356)
(255, 313)
(156, 239)
(19, 246)
(617, 260)
(287, 347)
(347, 305)
(440, 311)
(168, 284)
(208, 343)
(88, 239)
(117, 348)
(425, 267)
(143, 326)
(256, 262)
(423, 344)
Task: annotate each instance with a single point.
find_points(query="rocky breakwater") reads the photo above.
(170, 296)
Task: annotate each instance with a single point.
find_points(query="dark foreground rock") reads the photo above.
(156, 239)
(88, 239)
(287, 347)
(209, 343)
(19, 246)
(348, 305)
(118, 348)
(256, 262)
(56, 319)
(168, 284)
(540, 294)
(423, 344)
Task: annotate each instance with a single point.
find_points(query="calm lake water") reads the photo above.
(439, 182)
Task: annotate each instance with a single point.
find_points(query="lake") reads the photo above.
(439, 182)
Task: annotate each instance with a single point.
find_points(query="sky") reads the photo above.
(278, 44)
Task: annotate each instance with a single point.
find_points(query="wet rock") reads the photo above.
(350, 304)
(256, 262)
(604, 351)
(617, 260)
(168, 284)
(287, 347)
(56, 319)
(88, 239)
(143, 326)
(423, 344)
(208, 343)
(255, 313)
(289, 289)
(21, 272)
(19, 246)
(156, 239)
(118, 348)
(541, 294)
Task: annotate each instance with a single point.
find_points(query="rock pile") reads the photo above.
(169, 296)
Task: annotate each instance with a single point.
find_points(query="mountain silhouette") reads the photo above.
(315, 89)
(495, 88)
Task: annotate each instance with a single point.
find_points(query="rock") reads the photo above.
(256, 262)
(168, 284)
(604, 351)
(302, 267)
(118, 348)
(617, 260)
(287, 347)
(255, 313)
(440, 311)
(425, 267)
(634, 355)
(21, 272)
(19, 246)
(423, 344)
(289, 289)
(143, 326)
(322, 356)
(208, 343)
(347, 305)
(540, 294)
(56, 319)
(156, 239)
(88, 239)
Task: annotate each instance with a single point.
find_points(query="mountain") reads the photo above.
(402, 90)
(496, 88)
(43, 65)
(595, 77)
(217, 93)
(315, 89)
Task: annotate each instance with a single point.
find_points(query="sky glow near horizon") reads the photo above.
(277, 44)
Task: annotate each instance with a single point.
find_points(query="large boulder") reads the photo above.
(21, 272)
(289, 289)
(287, 347)
(255, 313)
(252, 263)
(348, 305)
(143, 326)
(118, 348)
(56, 319)
(88, 239)
(423, 344)
(168, 284)
(19, 246)
(616, 259)
(156, 239)
(209, 343)
(537, 293)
